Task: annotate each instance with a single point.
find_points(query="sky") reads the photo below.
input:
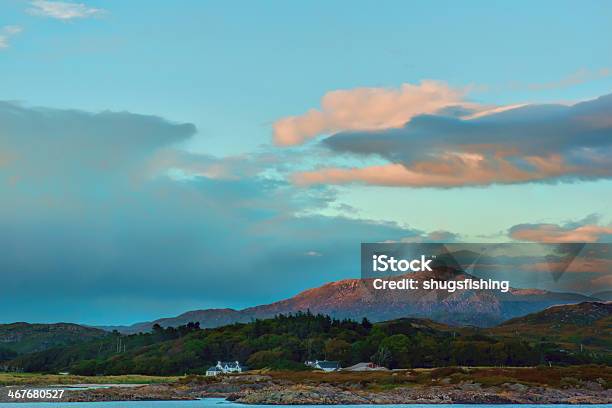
(158, 157)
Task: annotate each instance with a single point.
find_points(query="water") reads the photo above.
(220, 403)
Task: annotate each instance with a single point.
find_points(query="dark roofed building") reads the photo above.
(223, 367)
(324, 365)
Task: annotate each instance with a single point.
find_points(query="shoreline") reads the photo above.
(423, 386)
(308, 395)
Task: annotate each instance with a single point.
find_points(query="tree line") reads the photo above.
(286, 341)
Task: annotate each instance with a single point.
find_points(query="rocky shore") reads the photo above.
(323, 389)
(460, 394)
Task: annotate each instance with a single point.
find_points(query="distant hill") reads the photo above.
(587, 325)
(27, 338)
(561, 335)
(582, 314)
(207, 318)
(355, 299)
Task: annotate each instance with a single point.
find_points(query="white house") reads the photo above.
(212, 371)
(324, 365)
(224, 367)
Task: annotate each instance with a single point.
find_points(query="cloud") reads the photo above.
(105, 144)
(442, 236)
(532, 143)
(579, 77)
(195, 165)
(90, 206)
(369, 109)
(6, 33)
(580, 264)
(585, 230)
(439, 236)
(453, 170)
(62, 10)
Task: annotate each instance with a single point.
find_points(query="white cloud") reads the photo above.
(62, 10)
(6, 33)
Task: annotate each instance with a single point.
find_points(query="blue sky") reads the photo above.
(210, 62)
(215, 79)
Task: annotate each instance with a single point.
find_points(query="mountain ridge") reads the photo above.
(354, 299)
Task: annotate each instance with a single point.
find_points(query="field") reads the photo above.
(487, 376)
(554, 377)
(52, 379)
(508, 385)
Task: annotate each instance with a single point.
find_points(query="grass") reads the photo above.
(557, 377)
(51, 379)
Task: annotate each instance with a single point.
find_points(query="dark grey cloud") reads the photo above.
(97, 229)
(83, 131)
(529, 143)
(532, 129)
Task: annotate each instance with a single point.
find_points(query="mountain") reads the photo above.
(355, 299)
(26, 338)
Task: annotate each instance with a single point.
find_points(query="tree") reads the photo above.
(366, 324)
(337, 349)
(382, 357)
(399, 347)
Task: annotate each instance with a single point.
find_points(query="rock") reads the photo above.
(515, 387)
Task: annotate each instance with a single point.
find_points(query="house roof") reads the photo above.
(213, 369)
(230, 363)
(328, 364)
(365, 367)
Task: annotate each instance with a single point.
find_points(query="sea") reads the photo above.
(221, 403)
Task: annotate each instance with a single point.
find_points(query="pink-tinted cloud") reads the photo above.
(368, 109)
(553, 233)
(580, 264)
(455, 148)
(449, 170)
(579, 77)
(189, 165)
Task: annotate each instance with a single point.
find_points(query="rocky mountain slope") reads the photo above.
(355, 299)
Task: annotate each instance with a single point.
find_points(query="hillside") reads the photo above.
(27, 338)
(285, 342)
(582, 314)
(354, 299)
(585, 326)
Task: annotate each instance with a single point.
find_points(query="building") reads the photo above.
(365, 367)
(324, 365)
(224, 367)
(212, 371)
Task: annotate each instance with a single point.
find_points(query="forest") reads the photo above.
(286, 341)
